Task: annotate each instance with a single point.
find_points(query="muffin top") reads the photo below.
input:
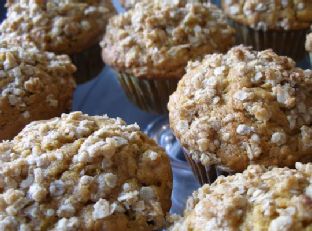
(157, 38)
(66, 26)
(308, 44)
(81, 172)
(27, 74)
(244, 107)
(270, 14)
(257, 199)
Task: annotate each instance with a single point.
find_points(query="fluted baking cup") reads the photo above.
(88, 62)
(283, 42)
(206, 174)
(151, 95)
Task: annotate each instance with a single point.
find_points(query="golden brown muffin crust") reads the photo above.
(81, 172)
(259, 199)
(244, 107)
(270, 14)
(33, 85)
(157, 39)
(66, 26)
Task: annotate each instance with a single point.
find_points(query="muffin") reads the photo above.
(244, 107)
(65, 27)
(150, 45)
(32, 84)
(81, 172)
(308, 45)
(257, 199)
(277, 24)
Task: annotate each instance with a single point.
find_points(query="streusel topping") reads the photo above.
(270, 14)
(66, 26)
(131, 3)
(81, 172)
(257, 199)
(27, 73)
(158, 38)
(244, 107)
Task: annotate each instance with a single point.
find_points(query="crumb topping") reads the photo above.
(244, 107)
(66, 26)
(131, 3)
(158, 38)
(27, 74)
(264, 14)
(81, 172)
(257, 199)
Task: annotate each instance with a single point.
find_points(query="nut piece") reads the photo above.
(81, 172)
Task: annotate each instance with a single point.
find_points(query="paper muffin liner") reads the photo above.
(206, 174)
(151, 95)
(289, 43)
(88, 62)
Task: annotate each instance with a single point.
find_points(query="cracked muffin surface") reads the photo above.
(81, 172)
(32, 85)
(157, 39)
(258, 199)
(242, 108)
(66, 26)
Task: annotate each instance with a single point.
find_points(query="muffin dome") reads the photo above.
(257, 199)
(271, 14)
(32, 84)
(66, 26)
(81, 172)
(157, 39)
(244, 107)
